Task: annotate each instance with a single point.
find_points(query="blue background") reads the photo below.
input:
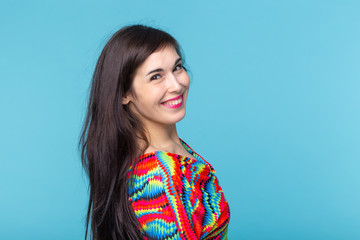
(274, 106)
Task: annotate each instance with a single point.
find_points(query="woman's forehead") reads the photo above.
(162, 58)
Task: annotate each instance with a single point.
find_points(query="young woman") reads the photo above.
(145, 182)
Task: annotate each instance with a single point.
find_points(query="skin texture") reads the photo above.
(160, 78)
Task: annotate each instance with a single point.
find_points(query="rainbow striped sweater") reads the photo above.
(177, 197)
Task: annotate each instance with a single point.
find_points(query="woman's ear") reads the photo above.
(125, 100)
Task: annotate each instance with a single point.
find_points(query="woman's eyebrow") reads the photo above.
(155, 70)
(178, 60)
(160, 69)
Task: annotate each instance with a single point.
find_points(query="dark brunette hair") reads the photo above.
(110, 136)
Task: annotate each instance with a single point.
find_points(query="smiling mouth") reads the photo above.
(174, 103)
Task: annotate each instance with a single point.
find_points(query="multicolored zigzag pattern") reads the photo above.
(177, 197)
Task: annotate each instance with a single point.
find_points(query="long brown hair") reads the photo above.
(110, 134)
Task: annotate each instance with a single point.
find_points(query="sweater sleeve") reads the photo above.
(178, 198)
(147, 195)
(217, 212)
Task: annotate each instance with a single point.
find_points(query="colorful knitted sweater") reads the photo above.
(177, 197)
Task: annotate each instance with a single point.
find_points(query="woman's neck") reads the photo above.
(162, 138)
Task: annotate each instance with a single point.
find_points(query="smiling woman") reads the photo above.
(158, 96)
(145, 182)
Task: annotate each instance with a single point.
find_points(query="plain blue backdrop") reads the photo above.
(274, 106)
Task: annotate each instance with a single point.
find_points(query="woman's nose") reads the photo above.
(173, 83)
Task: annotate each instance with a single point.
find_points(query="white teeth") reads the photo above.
(173, 102)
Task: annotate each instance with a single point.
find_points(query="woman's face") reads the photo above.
(159, 89)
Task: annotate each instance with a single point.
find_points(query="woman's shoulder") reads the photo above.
(163, 161)
(196, 156)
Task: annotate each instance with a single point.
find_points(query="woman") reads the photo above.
(145, 182)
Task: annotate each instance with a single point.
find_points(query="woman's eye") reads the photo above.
(178, 67)
(155, 77)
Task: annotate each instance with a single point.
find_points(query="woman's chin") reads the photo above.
(175, 118)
